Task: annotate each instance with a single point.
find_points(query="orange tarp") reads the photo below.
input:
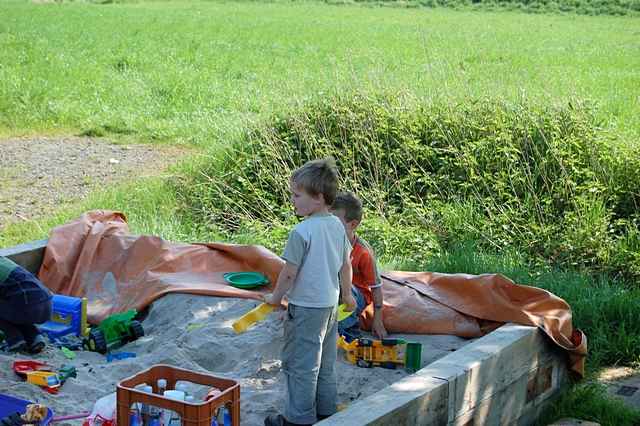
(95, 256)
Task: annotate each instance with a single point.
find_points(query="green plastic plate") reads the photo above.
(245, 280)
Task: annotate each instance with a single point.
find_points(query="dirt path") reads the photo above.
(37, 175)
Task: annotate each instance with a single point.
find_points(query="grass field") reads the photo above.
(190, 72)
(203, 73)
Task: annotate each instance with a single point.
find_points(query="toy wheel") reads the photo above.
(97, 341)
(364, 364)
(390, 342)
(135, 330)
(389, 365)
(365, 342)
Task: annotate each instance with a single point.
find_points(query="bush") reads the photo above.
(546, 180)
(598, 7)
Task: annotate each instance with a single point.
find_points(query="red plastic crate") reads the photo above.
(192, 414)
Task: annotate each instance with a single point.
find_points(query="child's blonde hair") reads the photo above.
(318, 177)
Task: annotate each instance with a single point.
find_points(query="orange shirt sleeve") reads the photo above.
(368, 269)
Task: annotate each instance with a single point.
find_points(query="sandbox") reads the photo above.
(505, 377)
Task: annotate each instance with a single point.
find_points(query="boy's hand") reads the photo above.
(350, 303)
(271, 300)
(378, 328)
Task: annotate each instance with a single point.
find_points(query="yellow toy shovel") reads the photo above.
(247, 320)
(342, 314)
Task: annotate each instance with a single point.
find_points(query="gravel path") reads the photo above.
(37, 175)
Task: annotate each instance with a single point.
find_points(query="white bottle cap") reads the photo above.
(147, 389)
(162, 383)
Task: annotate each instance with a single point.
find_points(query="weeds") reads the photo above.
(589, 402)
(545, 181)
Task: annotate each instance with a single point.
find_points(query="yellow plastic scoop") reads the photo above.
(342, 314)
(247, 320)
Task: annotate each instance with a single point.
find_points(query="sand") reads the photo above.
(194, 332)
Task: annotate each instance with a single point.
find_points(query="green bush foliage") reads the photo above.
(583, 7)
(546, 180)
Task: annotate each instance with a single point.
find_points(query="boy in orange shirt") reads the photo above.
(367, 284)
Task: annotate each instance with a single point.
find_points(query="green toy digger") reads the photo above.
(114, 331)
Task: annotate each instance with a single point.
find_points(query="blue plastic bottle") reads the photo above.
(154, 421)
(134, 418)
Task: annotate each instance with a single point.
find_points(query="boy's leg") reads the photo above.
(23, 321)
(13, 336)
(305, 331)
(14, 339)
(350, 326)
(327, 395)
(34, 340)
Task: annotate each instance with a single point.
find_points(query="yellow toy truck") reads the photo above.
(46, 379)
(385, 353)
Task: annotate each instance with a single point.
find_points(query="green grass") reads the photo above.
(195, 72)
(589, 402)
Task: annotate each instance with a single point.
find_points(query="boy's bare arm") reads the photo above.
(346, 273)
(285, 281)
(378, 325)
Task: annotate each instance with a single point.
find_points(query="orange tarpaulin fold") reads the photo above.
(95, 256)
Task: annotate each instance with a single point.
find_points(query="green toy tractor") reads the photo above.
(114, 331)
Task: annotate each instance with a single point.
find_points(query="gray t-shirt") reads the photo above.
(319, 247)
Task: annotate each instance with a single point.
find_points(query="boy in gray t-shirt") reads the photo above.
(316, 273)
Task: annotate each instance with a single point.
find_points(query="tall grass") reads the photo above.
(590, 403)
(547, 181)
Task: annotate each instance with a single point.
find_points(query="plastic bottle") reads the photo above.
(182, 387)
(162, 386)
(144, 408)
(134, 418)
(171, 418)
(226, 416)
(135, 412)
(154, 417)
(154, 413)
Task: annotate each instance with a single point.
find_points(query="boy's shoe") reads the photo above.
(279, 420)
(16, 346)
(37, 345)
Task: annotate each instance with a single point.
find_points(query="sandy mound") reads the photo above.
(194, 332)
